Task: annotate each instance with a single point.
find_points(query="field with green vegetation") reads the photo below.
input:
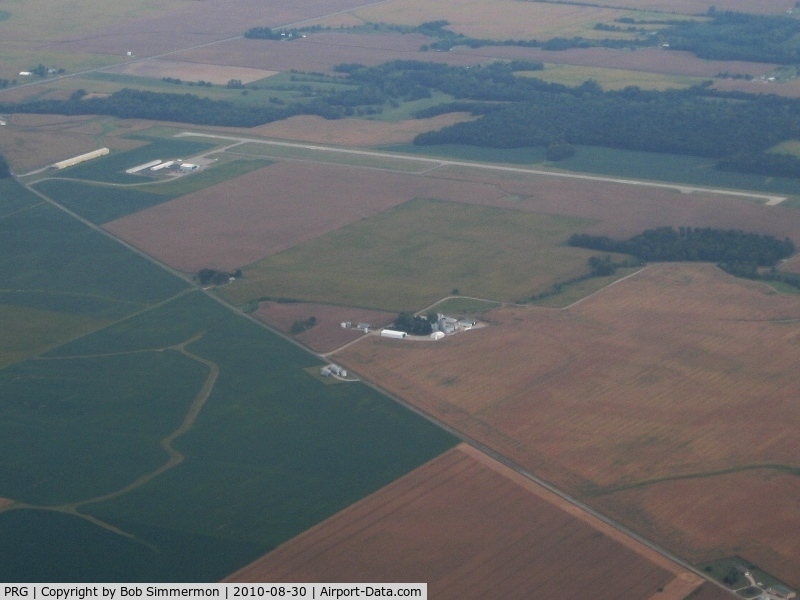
(14, 197)
(408, 257)
(104, 203)
(95, 426)
(61, 279)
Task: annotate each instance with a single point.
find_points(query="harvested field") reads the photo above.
(470, 528)
(624, 210)
(354, 132)
(32, 141)
(244, 219)
(752, 514)
(695, 7)
(322, 51)
(187, 24)
(612, 79)
(189, 71)
(668, 377)
(499, 19)
(792, 265)
(328, 333)
(656, 376)
(648, 60)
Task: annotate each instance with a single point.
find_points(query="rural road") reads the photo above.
(770, 199)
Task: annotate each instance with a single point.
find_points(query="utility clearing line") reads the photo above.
(769, 199)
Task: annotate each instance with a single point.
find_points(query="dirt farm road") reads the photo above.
(770, 199)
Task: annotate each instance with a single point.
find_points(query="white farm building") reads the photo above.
(393, 333)
(70, 162)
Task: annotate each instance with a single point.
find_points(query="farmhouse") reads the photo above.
(365, 327)
(70, 162)
(332, 369)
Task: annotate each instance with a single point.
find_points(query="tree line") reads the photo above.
(694, 244)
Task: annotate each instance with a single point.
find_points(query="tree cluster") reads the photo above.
(214, 277)
(698, 244)
(302, 325)
(413, 325)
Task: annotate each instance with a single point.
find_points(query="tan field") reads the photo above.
(189, 71)
(328, 333)
(623, 210)
(354, 132)
(694, 7)
(33, 141)
(473, 528)
(499, 19)
(752, 514)
(677, 372)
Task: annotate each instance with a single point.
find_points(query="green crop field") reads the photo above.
(14, 197)
(104, 203)
(44, 251)
(99, 203)
(265, 456)
(408, 257)
(25, 331)
(111, 168)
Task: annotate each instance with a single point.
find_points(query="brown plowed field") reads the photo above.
(650, 60)
(470, 528)
(328, 333)
(790, 89)
(190, 71)
(792, 265)
(752, 514)
(32, 141)
(694, 7)
(354, 132)
(323, 51)
(498, 19)
(623, 210)
(242, 220)
(659, 375)
(195, 23)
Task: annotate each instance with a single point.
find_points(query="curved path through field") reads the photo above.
(175, 457)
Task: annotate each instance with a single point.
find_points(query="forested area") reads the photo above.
(738, 36)
(5, 170)
(694, 244)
